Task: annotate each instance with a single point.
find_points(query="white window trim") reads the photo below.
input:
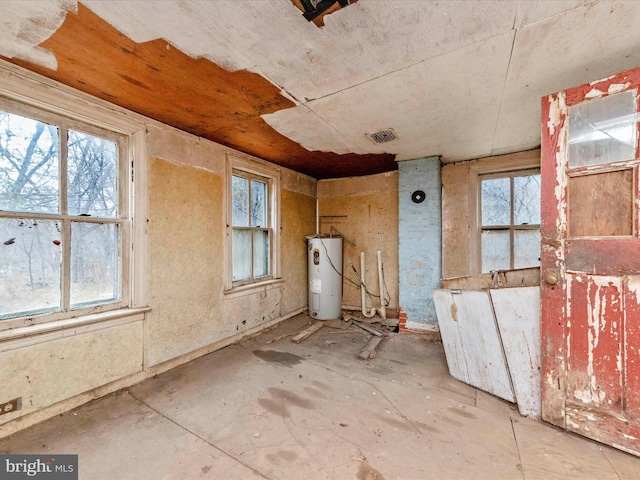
(43, 94)
(271, 172)
(481, 168)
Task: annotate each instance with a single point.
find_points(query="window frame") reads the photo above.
(252, 168)
(511, 227)
(66, 220)
(27, 94)
(499, 166)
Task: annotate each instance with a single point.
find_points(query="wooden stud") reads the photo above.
(370, 349)
(307, 332)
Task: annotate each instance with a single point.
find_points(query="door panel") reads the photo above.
(632, 347)
(597, 256)
(595, 341)
(591, 261)
(601, 204)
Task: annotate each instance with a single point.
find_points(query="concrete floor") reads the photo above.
(270, 408)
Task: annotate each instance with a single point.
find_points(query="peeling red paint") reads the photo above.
(612, 256)
(595, 341)
(591, 317)
(632, 348)
(553, 331)
(629, 79)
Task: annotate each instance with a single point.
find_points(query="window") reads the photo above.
(510, 220)
(64, 223)
(253, 214)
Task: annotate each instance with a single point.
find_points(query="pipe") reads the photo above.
(362, 290)
(317, 217)
(382, 309)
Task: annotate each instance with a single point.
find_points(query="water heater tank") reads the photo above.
(325, 277)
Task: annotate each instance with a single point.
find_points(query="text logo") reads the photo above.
(43, 467)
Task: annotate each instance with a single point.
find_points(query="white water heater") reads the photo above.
(325, 277)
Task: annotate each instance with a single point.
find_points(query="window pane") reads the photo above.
(526, 200)
(526, 248)
(258, 204)
(240, 202)
(260, 253)
(29, 267)
(495, 250)
(92, 173)
(29, 171)
(603, 130)
(496, 201)
(241, 254)
(94, 263)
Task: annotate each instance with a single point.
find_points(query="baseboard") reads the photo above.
(30, 419)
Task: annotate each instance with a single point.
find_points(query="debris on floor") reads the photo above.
(370, 350)
(308, 332)
(376, 326)
(341, 323)
(368, 328)
(387, 324)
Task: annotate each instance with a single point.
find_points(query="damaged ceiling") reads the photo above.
(460, 79)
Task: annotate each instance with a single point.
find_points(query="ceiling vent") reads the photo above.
(383, 136)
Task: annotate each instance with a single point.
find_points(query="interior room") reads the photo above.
(369, 239)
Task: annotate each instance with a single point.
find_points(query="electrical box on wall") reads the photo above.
(11, 406)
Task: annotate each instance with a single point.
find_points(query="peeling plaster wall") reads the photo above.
(187, 249)
(420, 251)
(186, 259)
(298, 221)
(365, 211)
(190, 313)
(53, 371)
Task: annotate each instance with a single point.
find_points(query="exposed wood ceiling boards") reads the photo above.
(461, 79)
(194, 95)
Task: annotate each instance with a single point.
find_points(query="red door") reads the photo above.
(591, 261)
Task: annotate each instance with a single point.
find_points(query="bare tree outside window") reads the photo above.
(57, 206)
(510, 216)
(250, 227)
(29, 169)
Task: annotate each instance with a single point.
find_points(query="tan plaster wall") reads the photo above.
(185, 246)
(365, 211)
(298, 221)
(455, 220)
(174, 145)
(49, 372)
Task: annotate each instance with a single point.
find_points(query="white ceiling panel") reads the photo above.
(24, 25)
(457, 78)
(306, 128)
(579, 46)
(530, 12)
(365, 41)
(444, 106)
